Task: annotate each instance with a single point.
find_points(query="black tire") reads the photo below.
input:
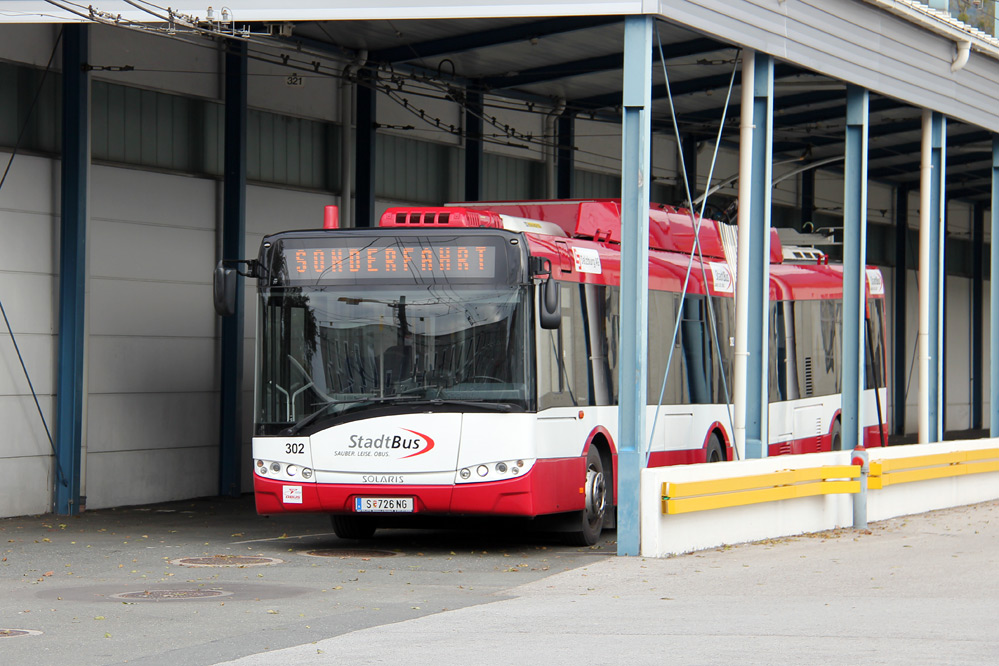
(836, 437)
(591, 518)
(714, 452)
(354, 527)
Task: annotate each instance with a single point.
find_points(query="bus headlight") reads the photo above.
(494, 471)
(306, 473)
(291, 470)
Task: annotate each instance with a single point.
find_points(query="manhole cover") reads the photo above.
(350, 552)
(10, 633)
(168, 595)
(226, 561)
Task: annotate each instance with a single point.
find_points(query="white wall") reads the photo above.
(152, 353)
(28, 290)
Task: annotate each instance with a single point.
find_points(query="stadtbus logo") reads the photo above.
(414, 443)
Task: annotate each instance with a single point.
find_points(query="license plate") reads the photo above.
(383, 504)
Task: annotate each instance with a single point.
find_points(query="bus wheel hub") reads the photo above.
(596, 493)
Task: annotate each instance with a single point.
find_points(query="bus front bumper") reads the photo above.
(551, 486)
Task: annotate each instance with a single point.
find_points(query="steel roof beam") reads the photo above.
(491, 37)
(914, 146)
(912, 168)
(598, 64)
(879, 131)
(831, 113)
(786, 102)
(685, 87)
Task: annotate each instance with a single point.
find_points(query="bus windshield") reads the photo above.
(325, 351)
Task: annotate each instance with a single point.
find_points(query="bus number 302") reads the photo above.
(293, 447)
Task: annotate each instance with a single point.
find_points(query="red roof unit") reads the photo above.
(439, 217)
(670, 229)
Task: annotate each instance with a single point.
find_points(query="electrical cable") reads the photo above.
(59, 472)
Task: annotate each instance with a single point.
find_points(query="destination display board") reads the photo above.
(356, 260)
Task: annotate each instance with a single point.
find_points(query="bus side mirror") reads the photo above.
(549, 304)
(224, 290)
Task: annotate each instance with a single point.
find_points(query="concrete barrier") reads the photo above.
(766, 500)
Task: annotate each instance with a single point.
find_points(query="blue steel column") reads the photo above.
(72, 265)
(688, 148)
(233, 247)
(994, 297)
(807, 198)
(565, 130)
(977, 314)
(636, 130)
(900, 358)
(474, 108)
(757, 388)
(938, 124)
(854, 283)
(364, 159)
(854, 263)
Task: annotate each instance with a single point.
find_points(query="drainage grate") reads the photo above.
(226, 561)
(350, 552)
(170, 595)
(10, 633)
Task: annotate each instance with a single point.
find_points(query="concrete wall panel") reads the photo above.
(151, 365)
(158, 309)
(30, 43)
(31, 301)
(151, 421)
(149, 198)
(28, 483)
(23, 432)
(36, 249)
(32, 184)
(128, 250)
(160, 63)
(316, 96)
(39, 354)
(273, 209)
(124, 478)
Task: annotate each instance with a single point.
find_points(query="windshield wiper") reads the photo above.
(346, 406)
(495, 406)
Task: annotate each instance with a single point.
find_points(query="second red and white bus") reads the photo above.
(463, 360)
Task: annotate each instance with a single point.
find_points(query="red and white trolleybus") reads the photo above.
(463, 360)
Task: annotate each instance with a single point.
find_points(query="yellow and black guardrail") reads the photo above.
(689, 496)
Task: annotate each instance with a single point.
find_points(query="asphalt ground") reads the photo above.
(106, 587)
(915, 590)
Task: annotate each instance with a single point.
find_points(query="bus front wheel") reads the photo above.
(595, 493)
(354, 527)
